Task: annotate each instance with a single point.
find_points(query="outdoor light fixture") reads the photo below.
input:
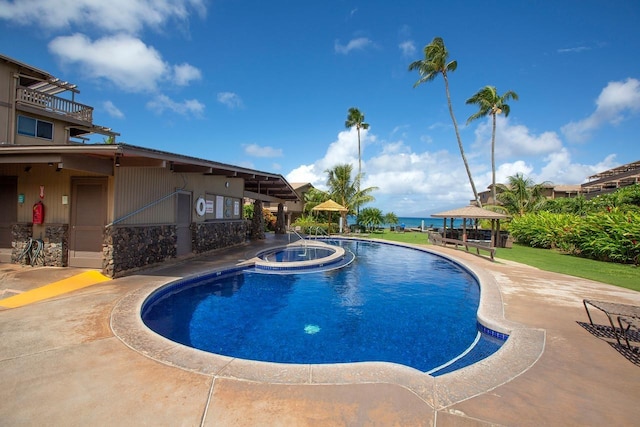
(117, 161)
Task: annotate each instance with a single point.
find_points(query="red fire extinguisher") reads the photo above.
(38, 213)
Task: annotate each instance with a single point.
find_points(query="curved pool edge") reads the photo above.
(523, 348)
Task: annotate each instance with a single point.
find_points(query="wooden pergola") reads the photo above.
(473, 212)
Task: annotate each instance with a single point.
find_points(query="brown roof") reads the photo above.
(470, 212)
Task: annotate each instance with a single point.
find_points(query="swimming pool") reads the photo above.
(392, 304)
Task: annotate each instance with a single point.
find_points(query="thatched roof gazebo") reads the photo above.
(330, 206)
(473, 212)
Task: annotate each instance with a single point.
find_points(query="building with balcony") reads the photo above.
(110, 205)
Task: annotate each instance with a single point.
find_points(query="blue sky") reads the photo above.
(267, 85)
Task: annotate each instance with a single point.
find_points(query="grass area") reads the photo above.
(625, 276)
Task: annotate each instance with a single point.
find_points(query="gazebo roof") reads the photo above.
(470, 212)
(330, 205)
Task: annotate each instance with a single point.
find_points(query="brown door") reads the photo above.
(8, 214)
(88, 218)
(183, 223)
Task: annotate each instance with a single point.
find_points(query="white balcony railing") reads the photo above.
(55, 104)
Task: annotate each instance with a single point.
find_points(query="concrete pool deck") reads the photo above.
(61, 363)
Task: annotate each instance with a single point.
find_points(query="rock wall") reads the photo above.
(216, 235)
(54, 251)
(56, 245)
(128, 248)
(20, 234)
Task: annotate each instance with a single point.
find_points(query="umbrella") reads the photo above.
(330, 206)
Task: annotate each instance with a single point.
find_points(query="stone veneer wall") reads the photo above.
(20, 234)
(56, 245)
(132, 247)
(216, 235)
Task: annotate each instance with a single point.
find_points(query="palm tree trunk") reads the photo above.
(359, 168)
(493, 160)
(464, 158)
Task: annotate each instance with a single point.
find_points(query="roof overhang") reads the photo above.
(102, 158)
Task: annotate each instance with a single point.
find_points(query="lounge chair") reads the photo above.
(613, 309)
(627, 323)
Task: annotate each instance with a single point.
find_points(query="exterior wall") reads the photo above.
(216, 235)
(21, 235)
(6, 100)
(56, 245)
(128, 248)
(141, 189)
(60, 136)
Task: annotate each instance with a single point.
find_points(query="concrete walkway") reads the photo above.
(61, 364)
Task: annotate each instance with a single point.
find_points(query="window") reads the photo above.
(33, 127)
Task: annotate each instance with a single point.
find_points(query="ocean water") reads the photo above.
(415, 222)
(429, 222)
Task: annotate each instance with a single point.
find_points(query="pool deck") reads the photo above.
(70, 360)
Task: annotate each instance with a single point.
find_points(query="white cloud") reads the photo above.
(112, 110)
(257, 151)
(420, 183)
(185, 73)
(515, 140)
(359, 43)
(162, 103)
(230, 99)
(559, 169)
(124, 60)
(111, 16)
(408, 48)
(574, 49)
(615, 103)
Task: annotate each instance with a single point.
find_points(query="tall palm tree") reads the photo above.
(490, 103)
(356, 118)
(434, 63)
(346, 191)
(521, 195)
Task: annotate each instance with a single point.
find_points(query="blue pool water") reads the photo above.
(293, 254)
(392, 304)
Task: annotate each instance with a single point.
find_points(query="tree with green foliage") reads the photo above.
(436, 62)
(356, 118)
(490, 103)
(391, 218)
(371, 218)
(313, 198)
(521, 195)
(345, 191)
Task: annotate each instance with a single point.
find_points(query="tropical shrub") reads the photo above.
(607, 236)
(610, 236)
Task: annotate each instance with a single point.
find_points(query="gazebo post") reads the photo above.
(464, 229)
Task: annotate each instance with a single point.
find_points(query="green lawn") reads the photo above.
(625, 276)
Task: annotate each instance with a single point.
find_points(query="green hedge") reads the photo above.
(606, 236)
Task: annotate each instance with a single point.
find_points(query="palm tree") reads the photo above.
(489, 102)
(345, 191)
(356, 118)
(391, 218)
(371, 217)
(521, 195)
(434, 63)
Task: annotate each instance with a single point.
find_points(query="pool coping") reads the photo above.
(521, 351)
